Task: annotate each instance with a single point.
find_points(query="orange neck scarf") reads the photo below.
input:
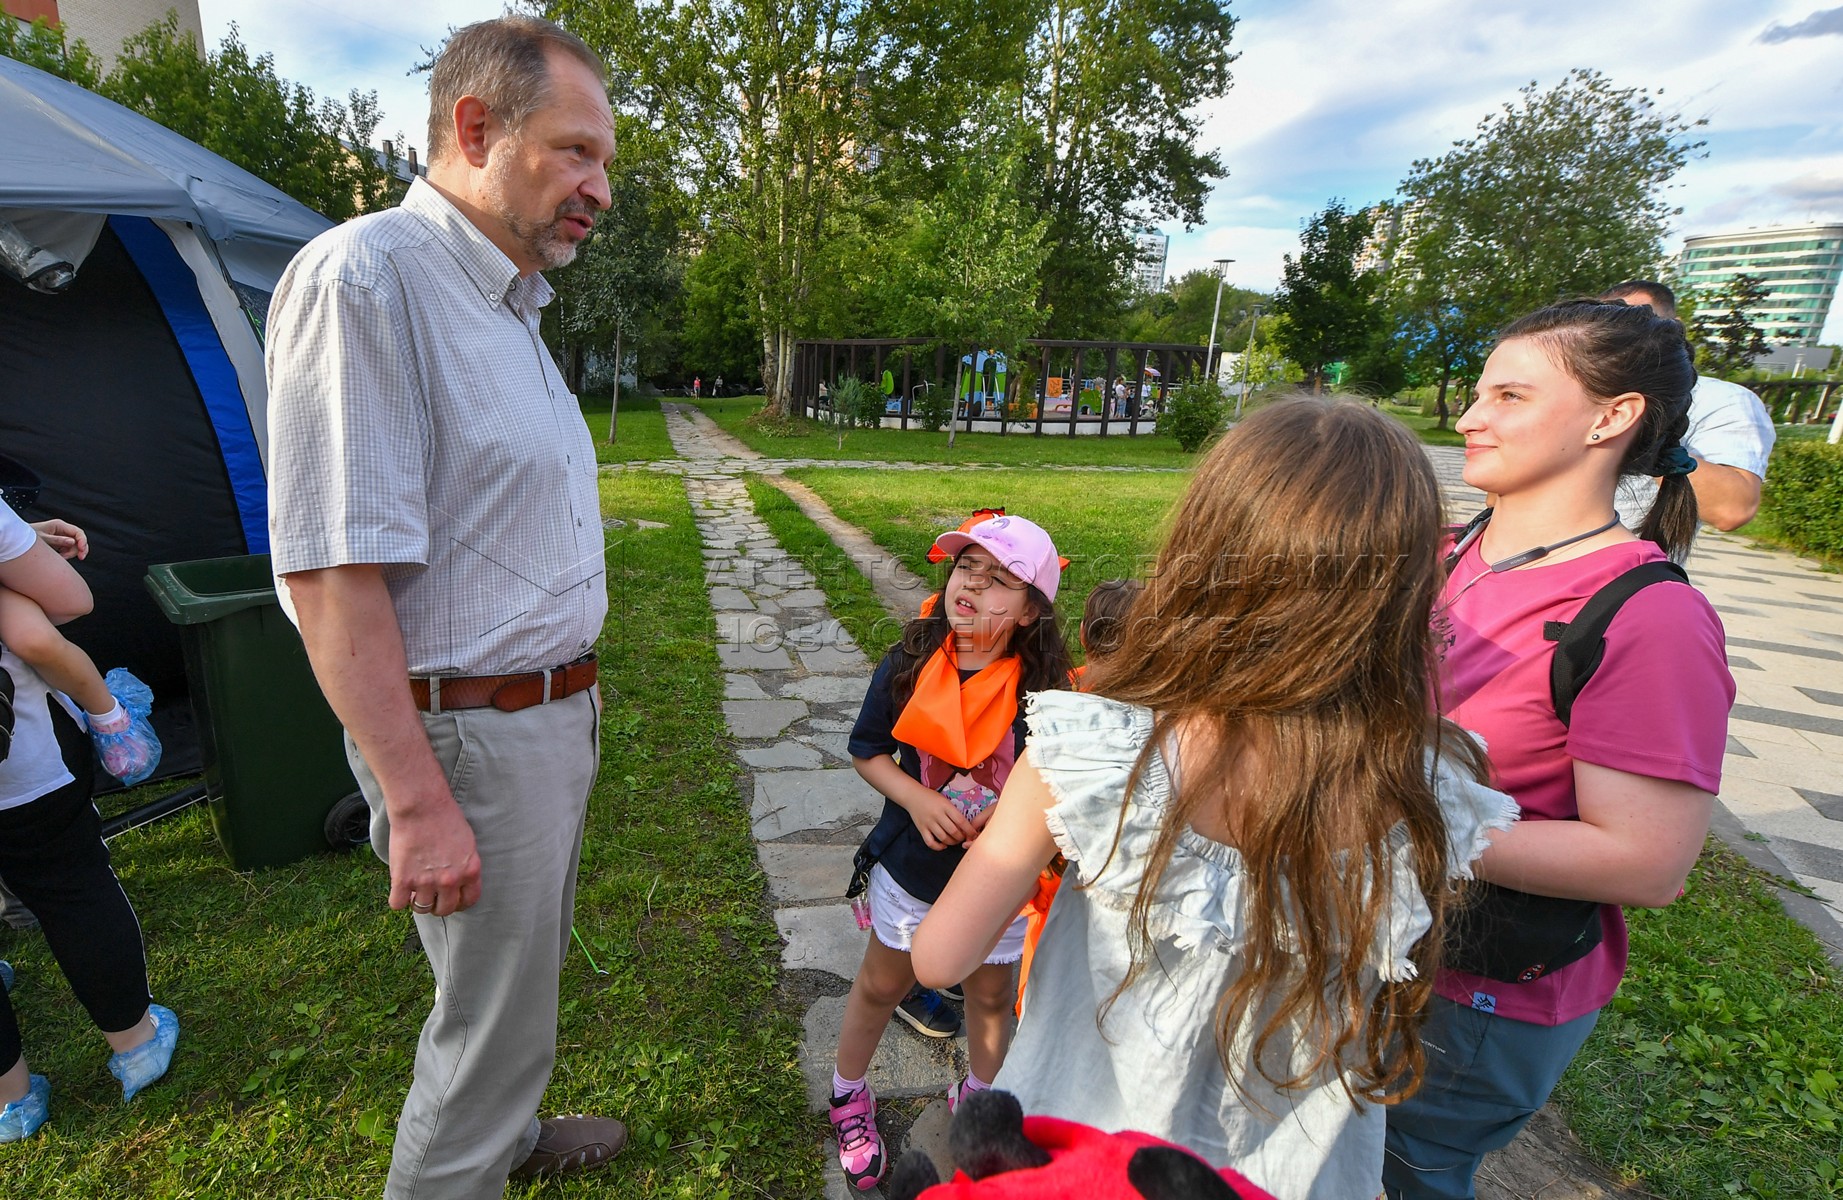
(960, 723)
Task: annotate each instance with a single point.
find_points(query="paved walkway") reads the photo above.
(794, 680)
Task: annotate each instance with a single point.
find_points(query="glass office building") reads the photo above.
(1798, 265)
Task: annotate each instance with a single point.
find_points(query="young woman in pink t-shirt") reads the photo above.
(1616, 801)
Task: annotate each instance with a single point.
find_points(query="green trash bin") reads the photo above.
(276, 776)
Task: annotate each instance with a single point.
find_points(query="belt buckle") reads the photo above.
(435, 695)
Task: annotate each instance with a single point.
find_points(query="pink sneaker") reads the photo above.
(860, 1146)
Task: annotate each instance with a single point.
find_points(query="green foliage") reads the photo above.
(1558, 194)
(1804, 495)
(721, 333)
(235, 106)
(45, 46)
(1328, 307)
(934, 408)
(854, 404)
(1181, 313)
(1193, 413)
(1713, 1072)
(1723, 330)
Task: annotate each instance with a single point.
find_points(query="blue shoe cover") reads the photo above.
(131, 754)
(6, 976)
(21, 1119)
(148, 1061)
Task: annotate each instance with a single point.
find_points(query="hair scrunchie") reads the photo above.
(1675, 461)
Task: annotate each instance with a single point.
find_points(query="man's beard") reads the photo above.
(544, 241)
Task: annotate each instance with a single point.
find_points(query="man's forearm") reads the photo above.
(356, 648)
(1726, 497)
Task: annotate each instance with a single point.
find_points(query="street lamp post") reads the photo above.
(1254, 323)
(1210, 353)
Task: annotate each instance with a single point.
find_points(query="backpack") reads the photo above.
(1514, 936)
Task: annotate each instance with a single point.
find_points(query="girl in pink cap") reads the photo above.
(939, 730)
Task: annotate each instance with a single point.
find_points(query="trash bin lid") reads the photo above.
(208, 589)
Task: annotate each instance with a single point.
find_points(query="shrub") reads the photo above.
(1804, 489)
(1193, 412)
(934, 408)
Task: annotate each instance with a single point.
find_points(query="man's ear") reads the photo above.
(474, 125)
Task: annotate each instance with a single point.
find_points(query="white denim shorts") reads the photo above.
(894, 916)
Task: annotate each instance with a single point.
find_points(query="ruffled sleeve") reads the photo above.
(1471, 811)
(1085, 747)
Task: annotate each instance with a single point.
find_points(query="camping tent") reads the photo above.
(131, 378)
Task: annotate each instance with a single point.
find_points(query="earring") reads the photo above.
(1593, 437)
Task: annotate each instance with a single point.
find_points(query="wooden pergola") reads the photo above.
(917, 363)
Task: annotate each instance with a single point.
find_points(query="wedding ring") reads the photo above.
(419, 907)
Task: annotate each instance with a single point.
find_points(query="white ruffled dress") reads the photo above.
(1153, 1065)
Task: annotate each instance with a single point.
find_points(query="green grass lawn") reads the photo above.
(848, 594)
(1424, 427)
(642, 429)
(1017, 448)
(1713, 1074)
(300, 994)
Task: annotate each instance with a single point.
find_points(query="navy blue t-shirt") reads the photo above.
(896, 842)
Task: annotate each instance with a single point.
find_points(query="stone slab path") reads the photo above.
(794, 680)
(792, 686)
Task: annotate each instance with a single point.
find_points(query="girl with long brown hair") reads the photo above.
(1261, 815)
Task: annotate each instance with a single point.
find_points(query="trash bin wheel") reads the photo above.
(348, 823)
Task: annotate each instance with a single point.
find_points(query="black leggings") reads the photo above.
(53, 858)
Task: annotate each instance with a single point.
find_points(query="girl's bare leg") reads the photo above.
(27, 632)
(990, 991)
(884, 978)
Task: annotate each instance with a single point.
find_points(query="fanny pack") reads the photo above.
(1513, 936)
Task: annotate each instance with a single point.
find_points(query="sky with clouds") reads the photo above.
(1333, 98)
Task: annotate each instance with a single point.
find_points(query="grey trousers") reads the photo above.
(522, 780)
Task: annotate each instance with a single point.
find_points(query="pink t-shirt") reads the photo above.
(1657, 706)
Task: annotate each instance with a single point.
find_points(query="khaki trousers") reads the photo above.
(522, 779)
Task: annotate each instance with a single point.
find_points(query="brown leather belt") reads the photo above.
(508, 693)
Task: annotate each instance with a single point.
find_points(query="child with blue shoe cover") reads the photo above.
(51, 850)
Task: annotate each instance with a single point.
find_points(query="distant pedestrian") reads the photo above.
(716, 386)
(697, 386)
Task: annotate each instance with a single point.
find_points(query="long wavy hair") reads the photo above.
(1611, 349)
(1284, 638)
(1042, 653)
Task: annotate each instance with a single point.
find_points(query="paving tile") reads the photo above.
(826, 797)
(827, 689)
(782, 756)
(1828, 803)
(738, 686)
(906, 1064)
(1809, 858)
(1787, 720)
(752, 658)
(1735, 747)
(1834, 699)
(797, 872)
(761, 718)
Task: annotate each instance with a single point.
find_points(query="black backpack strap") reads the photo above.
(1581, 643)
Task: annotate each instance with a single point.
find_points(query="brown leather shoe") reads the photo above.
(574, 1143)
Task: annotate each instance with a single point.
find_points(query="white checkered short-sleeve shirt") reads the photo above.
(417, 421)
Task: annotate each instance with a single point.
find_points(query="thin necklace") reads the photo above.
(1475, 532)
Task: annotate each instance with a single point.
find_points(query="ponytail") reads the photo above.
(1671, 523)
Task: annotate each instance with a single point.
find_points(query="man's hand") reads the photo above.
(68, 540)
(434, 868)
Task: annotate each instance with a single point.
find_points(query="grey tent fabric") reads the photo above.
(70, 150)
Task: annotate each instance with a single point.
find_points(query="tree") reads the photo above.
(1559, 193)
(1181, 313)
(720, 333)
(1723, 330)
(317, 151)
(1329, 307)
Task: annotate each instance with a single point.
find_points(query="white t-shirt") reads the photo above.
(35, 767)
(1728, 426)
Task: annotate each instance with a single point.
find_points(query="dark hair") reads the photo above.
(1667, 299)
(1041, 650)
(1309, 683)
(1103, 618)
(1611, 349)
(505, 62)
